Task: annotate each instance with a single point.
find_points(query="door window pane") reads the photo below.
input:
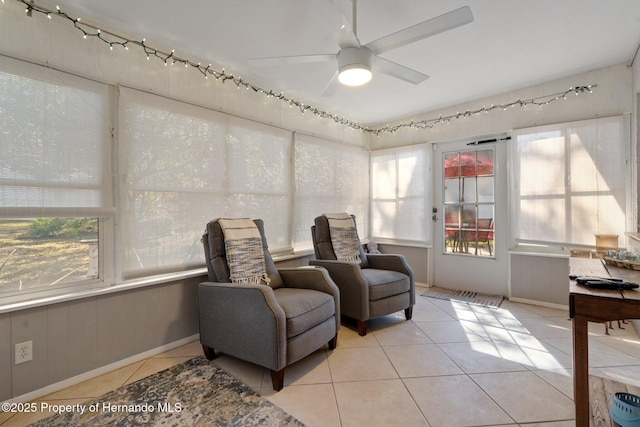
(469, 199)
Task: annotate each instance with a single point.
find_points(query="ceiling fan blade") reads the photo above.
(331, 86)
(439, 24)
(347, 36)
(398, 71)
(286, 60)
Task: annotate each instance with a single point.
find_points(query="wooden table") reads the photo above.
(595, 305)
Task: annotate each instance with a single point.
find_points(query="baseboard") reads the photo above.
(539, 303)
(27, 397)
(636, 325)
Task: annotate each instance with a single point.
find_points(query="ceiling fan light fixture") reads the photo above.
(354, 66)
(356, 75)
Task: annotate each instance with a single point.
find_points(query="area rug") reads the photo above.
(193, 393)
(464, 296)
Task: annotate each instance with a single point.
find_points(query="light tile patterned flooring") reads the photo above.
(453, 364)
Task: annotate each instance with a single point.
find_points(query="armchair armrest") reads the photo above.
(352, 284)
(243, 320)
(317, 279)
(308, 278)
(392, 262)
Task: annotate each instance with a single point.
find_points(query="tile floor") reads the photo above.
(453, 364)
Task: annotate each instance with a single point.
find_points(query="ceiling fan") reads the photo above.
(356, 61)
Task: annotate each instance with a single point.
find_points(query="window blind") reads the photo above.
(400, 192)
(569, 181)
(181, 166)
(329, 177)
(55, 144)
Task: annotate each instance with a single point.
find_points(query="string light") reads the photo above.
(112, 40)
(539, 101)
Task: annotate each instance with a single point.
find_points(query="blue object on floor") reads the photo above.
(625, 410)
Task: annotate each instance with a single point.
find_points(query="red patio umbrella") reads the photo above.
(466, 163)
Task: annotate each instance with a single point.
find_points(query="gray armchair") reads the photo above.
(380, 284)
(271, 325)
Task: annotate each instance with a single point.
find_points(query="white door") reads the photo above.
(470, 216)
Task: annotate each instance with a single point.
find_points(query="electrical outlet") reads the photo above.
(24, 352)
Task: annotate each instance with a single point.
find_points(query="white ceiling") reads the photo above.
(509, 45)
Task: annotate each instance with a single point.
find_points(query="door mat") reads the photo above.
(494, 301)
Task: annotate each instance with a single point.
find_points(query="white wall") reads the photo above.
(611, 97)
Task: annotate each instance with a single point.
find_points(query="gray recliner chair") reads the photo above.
(271, 325)
(380, 284)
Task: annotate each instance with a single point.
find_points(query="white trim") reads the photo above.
(401, 243)
(21, 212)
(543, 251)
(156, 280)
(293, 255)
(537, 303)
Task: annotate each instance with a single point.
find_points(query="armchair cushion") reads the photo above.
(385, 283)
(304, 308)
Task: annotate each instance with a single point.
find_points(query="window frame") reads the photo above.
(476, 205)
(56, 82)
(569, 195)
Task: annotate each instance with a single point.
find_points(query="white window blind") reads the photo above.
(329, 178)
(183, 165)
(569, 181)
(55, 144)
(400, 193)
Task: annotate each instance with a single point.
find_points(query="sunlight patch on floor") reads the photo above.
(505, 337)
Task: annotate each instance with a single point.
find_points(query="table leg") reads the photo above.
(581, 371)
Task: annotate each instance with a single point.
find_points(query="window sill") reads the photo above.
(285, 256)
(545, 251)
(125, 286)
(403, 243)
(102, 290)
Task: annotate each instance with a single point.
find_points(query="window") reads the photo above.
(569, 181)
(183, 165)
(85, 203)
(400, 190)
(469, 202)
(55, 178)
(329, 178)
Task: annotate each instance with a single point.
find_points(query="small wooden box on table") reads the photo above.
(595, 305)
